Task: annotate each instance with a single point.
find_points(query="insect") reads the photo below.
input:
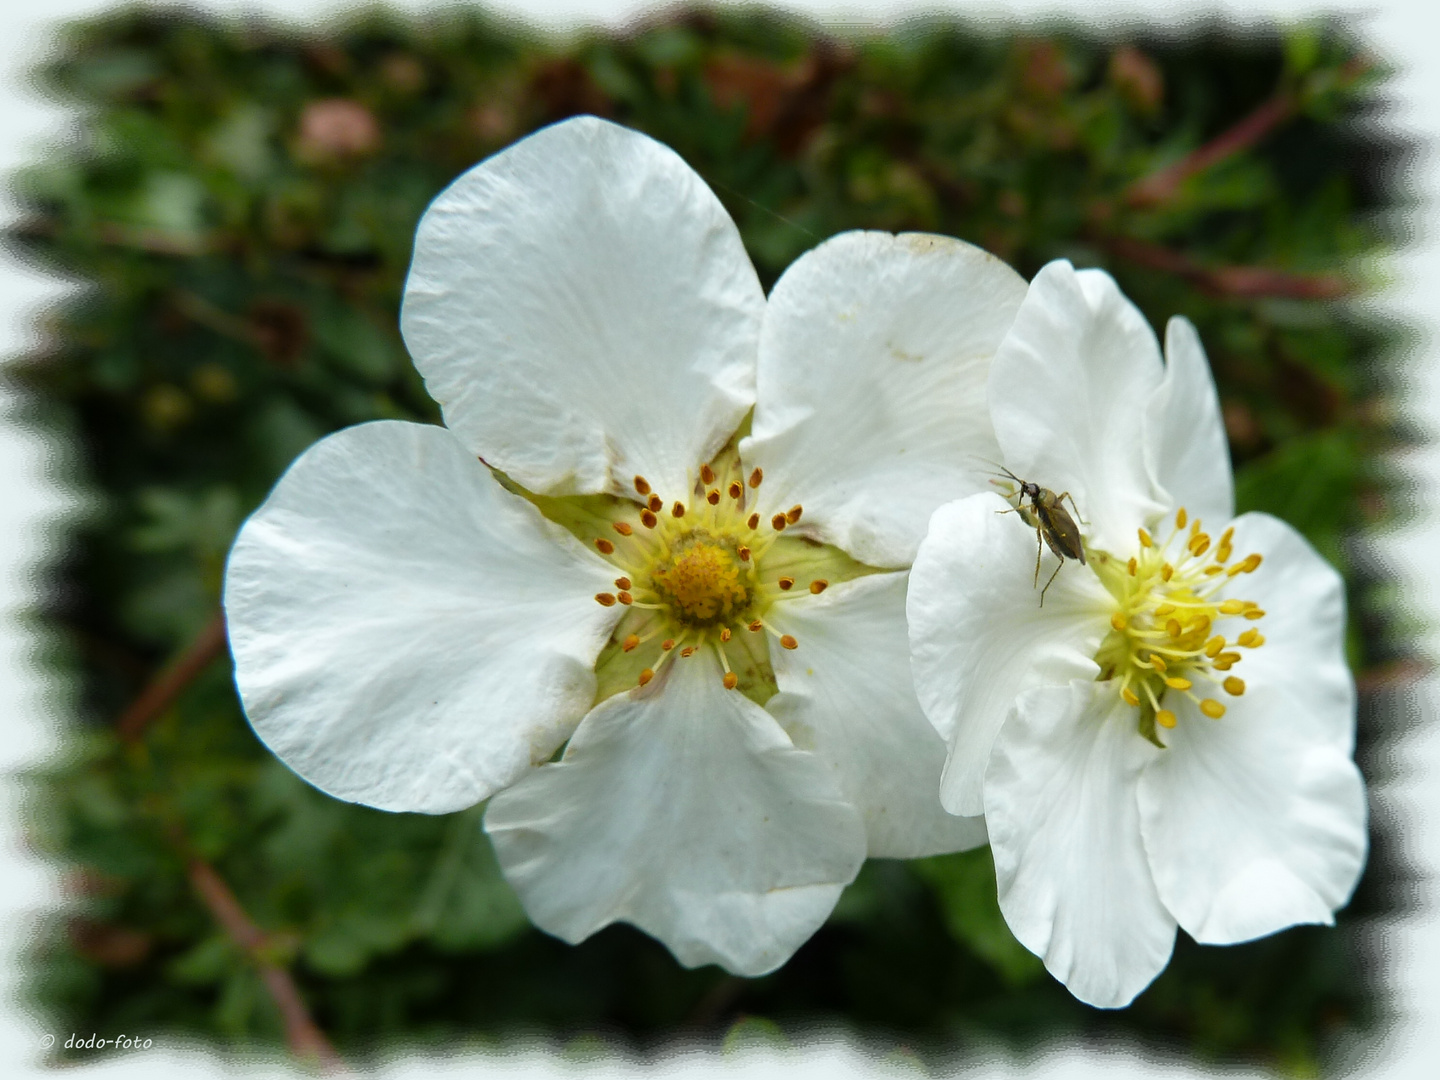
(1052, 523)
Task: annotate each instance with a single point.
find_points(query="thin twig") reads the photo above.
(1229, 281)
(172, 681)
(303, 1036)
(1160, 187)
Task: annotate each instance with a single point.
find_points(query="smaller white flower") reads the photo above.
(1168, 739)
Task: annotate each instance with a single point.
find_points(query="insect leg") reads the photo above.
(1066, 495)
(1053, 576)
(1038, 549)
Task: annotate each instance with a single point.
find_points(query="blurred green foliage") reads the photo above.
(241, 198)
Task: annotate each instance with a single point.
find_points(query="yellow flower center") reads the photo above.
(1164, 637)
(704, 581)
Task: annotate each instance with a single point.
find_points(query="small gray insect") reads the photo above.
(1052, 523)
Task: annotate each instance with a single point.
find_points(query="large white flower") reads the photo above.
(1168, 738)
(594, 555)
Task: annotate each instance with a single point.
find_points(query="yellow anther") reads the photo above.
(730, 680)
(1211, 571)
(605, 546)
(678, 510)
(625, 598)
(1165, 718)
(724, 633)
(1248, 637)
(655, 503)
(736, 489)
(756, 477)
(1221, 664)
(1175, 682)
(714, 497)
(1259, 640)
(1145, 540)
(755, 626)
(667, 644)
(647, 518)
(1164, 609)
(1199, 544)
(778, 522)
(1212, 708)
(1232, 607)
(1254, 613)
(1167, 572)
(744, 554)
(631, 643)
(688, 650)
(624, 528)
(642, 485)
(793, 514)
(1129, 696)
(1173, 628)
(788, 642)
(1213, 646)
(646, 676)
(1134, 566)
(754, 521)
(819, 585)
(1248, 565)
(1201, 626)
(1157, 662)
(707, 475)
(1227, 536)
(1234, 686)
(622, 583)
(605, 599)
(1229, 657)
(786, 583)
(1180, 518)
(1118, 621)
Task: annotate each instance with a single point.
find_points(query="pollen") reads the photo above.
(1118, 621)
(713, 498)
(778, 522)
(788, 642)
(678, 510)
(605, 546)
(786, 583)
(818, 586)
(646, 676)
(631, 643)
(756, 477)
(731, 680)
(707, 475)
(622, 583)
(793, 514)
(703, 582)
(642, 486)
(655, 503)
(605, 599)
(736, 489)
(647, 518)
(754, 522)
(624, 528)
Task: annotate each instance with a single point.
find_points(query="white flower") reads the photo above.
(1219, 641)
(414, 631)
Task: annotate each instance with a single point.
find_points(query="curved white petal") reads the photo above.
(1068, 391)
(1303, 598)
(979, 637)
(1184, 441)
(406, 633)
(847, 692)
(1060, 804)
(871, 407)
(583, 310)
(1250, 826)
(685, 810)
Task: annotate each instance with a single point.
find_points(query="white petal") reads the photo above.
(1251, 826)
(683, 809)
(1184, 435)
(406, 633)
(583, 310)
(1068, 392)
(871, 404)
(1074, 883)
(1303, 598)
(979, 637)
(847, 692)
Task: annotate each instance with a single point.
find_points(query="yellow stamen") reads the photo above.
(755, 626)
(642, 485)
(1213, 646)
(1177, 683)
(1180, 518)
(1118, 621)
(605, 599)
(1248, 637)
(1164, 609)
(724, 633)
(1234, 686)
(623, 528)
(786, 583)
(730, 680)
(736, 489)
(678, 510)
(754, 521)
(707, 475)
(793, 514)
(1145, 540)
(1212, 708)
(1129, 696)
(819, 585)
(605, 546)
(1134, 566)
(630, 643)
(1165, 718)
(1167, 572)
(1232, 607)
(1254, 614)
(755, 478)
(655, 503)
(625, 598)
(1173, 628)
(778, 522)
(1199, 544)
(667, 644)
(1157, 662)
(689, 650)
(713, 498)
(788, 642)
(646, 676)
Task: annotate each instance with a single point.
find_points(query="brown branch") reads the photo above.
(1159, 187)
(303, 1036)
(1227, 281)
(172, 681)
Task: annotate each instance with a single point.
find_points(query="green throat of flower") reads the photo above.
(1165, 632)
(699, 574)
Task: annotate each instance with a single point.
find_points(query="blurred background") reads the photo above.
(238, 197)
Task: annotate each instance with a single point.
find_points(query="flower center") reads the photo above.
(1163, 636)
(704, 581)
